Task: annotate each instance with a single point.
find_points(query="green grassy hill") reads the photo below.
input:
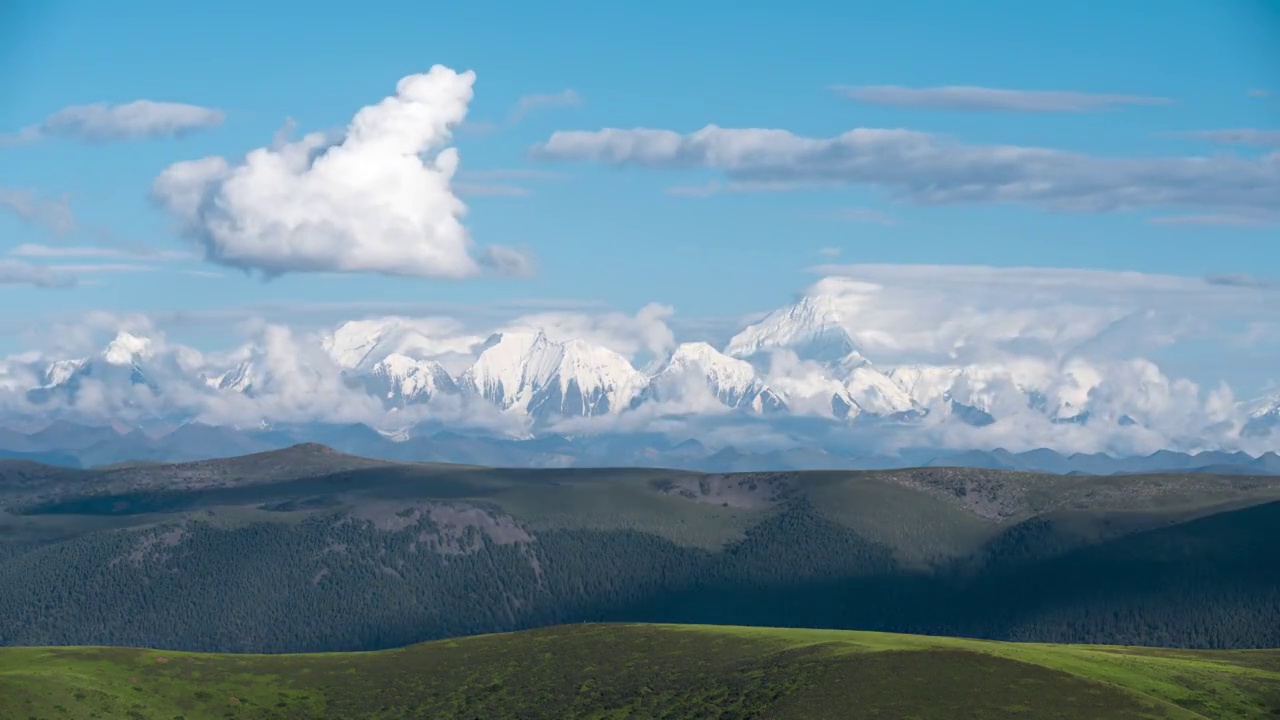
(606, 672)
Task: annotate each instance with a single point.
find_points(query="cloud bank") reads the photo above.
(105, 122)
(967, 97)
(931, 169)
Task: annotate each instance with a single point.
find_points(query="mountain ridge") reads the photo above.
(802, 362)
(303, 549)
(68, 444)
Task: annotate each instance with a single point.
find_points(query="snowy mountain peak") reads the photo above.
(1263, 416)
(528, 371)
(399, 379)
(240, 378)
(698, 368)
(818, 327)
(1267, 405)
(61, 371)
(351, 342)
(359, 345)
(876, 392)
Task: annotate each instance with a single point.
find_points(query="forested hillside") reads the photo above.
(308, 550)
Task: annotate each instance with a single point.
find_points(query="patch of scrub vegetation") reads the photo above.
(647, 671)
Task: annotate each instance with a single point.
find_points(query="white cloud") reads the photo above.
(931, 169)
(1237, 136)
(98, 268)
(365, 202)
(102, 122)
(1259, 93)
(948, 313)
(1256, 219)
(55, 215)
(14, 272)
(646, 333)
(715, 187)
(537, 101)
(360, 344)
(31, 250)
(966, 97)
(35, 250)
(508, 261)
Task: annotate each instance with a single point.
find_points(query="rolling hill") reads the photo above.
(309, 550)
(639, 671)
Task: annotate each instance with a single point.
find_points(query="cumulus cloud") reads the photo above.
(54, 215)
(379, 199)
(931, 169)
(967, 97)
(104, 122)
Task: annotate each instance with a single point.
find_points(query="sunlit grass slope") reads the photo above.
(611, 672)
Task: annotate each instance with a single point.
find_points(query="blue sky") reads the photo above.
(618, 236)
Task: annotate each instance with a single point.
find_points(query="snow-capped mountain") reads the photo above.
(696, 372)
(1263, 416)
(400, 380)
(799, 361)
(238, 379)
(359, 345)
(530, 373)
(818, 327)
(874, 391)
(120, 363)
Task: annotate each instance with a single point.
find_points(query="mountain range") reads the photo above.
(68, 444)
(800, 372)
